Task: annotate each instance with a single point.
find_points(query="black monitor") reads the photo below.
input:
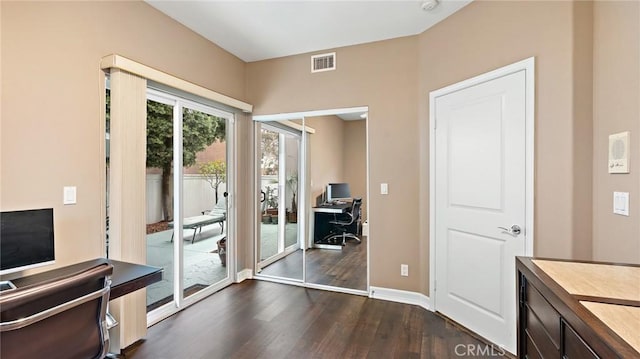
(337, 191)
(26, 239)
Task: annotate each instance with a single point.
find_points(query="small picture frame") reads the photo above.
(619, 152)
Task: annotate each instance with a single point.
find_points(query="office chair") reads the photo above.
(341, 225)
(60, 318)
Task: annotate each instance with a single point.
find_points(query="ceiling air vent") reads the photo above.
(323, 62)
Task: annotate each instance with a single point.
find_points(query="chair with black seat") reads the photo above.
(341, 230)
(60, 318)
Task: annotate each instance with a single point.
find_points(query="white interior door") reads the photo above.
(480, 186)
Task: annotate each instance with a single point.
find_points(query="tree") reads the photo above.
(199, 130)
(215, 172)
(269, 147)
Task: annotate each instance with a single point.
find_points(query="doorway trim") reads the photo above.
(528, 65)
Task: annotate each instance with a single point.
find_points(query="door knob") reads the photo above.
(514, 230)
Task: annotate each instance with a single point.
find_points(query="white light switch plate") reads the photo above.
(384, 188)
(69, 195)
(404, 270)
(621, 203)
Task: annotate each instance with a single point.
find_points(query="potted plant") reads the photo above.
(266, 218)
(270, 205)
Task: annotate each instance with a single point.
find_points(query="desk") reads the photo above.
(320, 223)
(126, 278)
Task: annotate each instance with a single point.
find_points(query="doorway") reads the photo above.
(189, 216)
(482, 197)
(333, 150)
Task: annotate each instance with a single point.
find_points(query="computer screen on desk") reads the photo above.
(338, 191)
(26, 239)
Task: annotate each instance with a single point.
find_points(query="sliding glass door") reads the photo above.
(278, 226)
(188, 193)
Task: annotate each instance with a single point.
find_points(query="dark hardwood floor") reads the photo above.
(346, 268)
(259, 319)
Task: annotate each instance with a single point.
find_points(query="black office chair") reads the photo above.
(60, 318)
(341, 225)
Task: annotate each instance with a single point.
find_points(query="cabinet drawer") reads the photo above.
(531, 352)
(573, 346)
(549, 317)
(538, 335)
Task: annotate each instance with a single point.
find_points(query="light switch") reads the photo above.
(621, 203)
(384, 188)
(69, 196)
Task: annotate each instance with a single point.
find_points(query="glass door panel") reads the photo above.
(186, 199)
(278, 246)
(289, 207)
(338, 251)
(204, 199)
(269, 190)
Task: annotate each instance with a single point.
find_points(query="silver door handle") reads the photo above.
(515, 229)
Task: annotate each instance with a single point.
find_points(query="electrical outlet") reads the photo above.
(404, 270)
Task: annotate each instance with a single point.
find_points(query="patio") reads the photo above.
(202, 263)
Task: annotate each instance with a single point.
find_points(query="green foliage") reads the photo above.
(199, 130)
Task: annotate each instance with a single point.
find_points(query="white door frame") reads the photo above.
(528, 65)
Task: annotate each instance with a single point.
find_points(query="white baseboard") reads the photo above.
(401, 296)
(244, 274)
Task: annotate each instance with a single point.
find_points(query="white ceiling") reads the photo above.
(265, 29)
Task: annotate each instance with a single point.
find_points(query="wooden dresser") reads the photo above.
(579, 310)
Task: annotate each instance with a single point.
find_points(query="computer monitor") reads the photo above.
(26, 239)
(337, 191)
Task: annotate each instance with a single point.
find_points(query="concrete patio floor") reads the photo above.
(202, 267)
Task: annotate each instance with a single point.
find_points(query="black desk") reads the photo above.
(321, 227)
(126, 278)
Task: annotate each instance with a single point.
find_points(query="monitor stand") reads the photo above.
(6, 285)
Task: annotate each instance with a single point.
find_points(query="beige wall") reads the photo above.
(582, 136)
(337, 153)
(616, 108)
(487, 35)
(355, 160)
(381, 75)
(326, 149)
(481, 37)
(52, 88)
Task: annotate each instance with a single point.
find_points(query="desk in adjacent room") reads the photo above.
(320, 223)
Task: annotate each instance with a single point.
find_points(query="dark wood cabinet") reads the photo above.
(552, 323)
